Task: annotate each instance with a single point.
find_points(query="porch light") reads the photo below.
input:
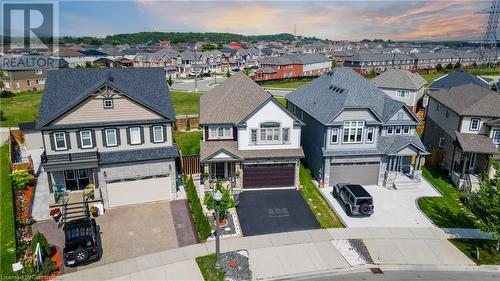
(218, 196)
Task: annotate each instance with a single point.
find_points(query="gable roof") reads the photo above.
(399, 79)
(470, 100)
(294, 59)
(327, 96)
(232, 101)
(458, 78)
(65, 88)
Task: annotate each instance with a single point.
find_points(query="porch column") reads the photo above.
(465, 157)
(49, 179)
(390, 164)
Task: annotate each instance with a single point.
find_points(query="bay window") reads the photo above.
(353, 131)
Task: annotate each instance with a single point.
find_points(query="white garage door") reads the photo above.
(138, 191)
(359, 173)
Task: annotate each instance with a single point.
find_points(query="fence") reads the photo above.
(188, 120)
(435, 158)
(16, 137)
(190, 165)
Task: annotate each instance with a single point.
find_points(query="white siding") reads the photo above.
(483, 129)
(450, 124)
(411, 100)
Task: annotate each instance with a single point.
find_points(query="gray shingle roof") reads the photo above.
(232, 101)
(470, 100)
(392, 144)
(126, 156)
(458, 78)
(294, 59)
(399, 79)
(323, 100)
(66, 88)
(476, 143)
(210, 148)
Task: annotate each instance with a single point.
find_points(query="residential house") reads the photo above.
(463, 123)
(249, 140)
(402, 85)
(356, 133)
(292, 66)
(455, 79)
(27, 73)
(167, 59)
(112, 128)
(378, 62)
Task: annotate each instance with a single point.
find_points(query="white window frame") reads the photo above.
(106, 106)
(55, 135)
(370, 130)
(106, 131)
(89, 137)
(155, 139)
(493, 136)
(40, 81)
(68, 178)
(135, 135)
(270, 135)
(402, 93)
(396, 130)
(471, 127)
(353, 128)
(254, 136)
(390, 130)
(335, 132)
(287, 139)
(38, 71)
(221, 132)
(406, 130)
(441, 142)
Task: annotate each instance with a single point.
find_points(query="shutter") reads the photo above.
(78, 139)
(104, 142)
(94, 143)
(68, 141)
(151, 139)
(52, 144)
(118, 138)
(142, 134)
(128, 135)
(165, 133)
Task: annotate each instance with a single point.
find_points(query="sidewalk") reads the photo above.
(290, 253)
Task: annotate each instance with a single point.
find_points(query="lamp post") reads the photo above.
(217, 197)
(195, 69)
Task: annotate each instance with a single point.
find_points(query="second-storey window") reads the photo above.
(270, 132)
(403, 93)
(474, 124)
(335, 135)
(60, 140)
(370, 134)
(406, 130)
(108, 103)
(111, 137)
(353, 131)
(86, 139)
(286, 135)
(253, 136)
(135, 135)
(158, 134)
(496, 136)
(390, 130)
(398, 130)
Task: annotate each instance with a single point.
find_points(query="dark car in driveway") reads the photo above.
(354, 198)
(81, 243)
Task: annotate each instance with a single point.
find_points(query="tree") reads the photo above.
(228, 74)
(439, 67)
(449, 66)
(474, 64)
(247, 70)
(44, 244)
(334, 63)
(225, 203)
(170, 81)
(372, 72)
(457, 65)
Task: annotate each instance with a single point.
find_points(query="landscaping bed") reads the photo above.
(487, 252)
(234, 266)
(447, 211)
(7, 229)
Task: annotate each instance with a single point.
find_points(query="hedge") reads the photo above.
(200, 220)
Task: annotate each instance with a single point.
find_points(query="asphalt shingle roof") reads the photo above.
(126, 156)
(66, 88)
(325, 97)
(458, 78)
(470, 100)
(392, 144)
(294, 59)
(399, 79)
(208, 149)
(476, 143)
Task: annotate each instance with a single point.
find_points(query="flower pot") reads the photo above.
(56, 217)
(222, 223)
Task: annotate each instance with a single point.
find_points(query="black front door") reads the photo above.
(77, 179)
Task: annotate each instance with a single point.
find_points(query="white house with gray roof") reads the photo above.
(356, 133)
(108, 132)
(402, 85)
(249, 140)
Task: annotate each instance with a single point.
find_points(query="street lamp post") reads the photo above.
(195, 70)
(218, 198)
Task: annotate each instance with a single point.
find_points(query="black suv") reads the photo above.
(80, 241)
(354, 198)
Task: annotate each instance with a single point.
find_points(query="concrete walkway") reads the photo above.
(288, 253)
(466, 233)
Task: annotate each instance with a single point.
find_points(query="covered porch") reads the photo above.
(404, 165)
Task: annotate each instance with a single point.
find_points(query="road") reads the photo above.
(434, 275)
(203, 85)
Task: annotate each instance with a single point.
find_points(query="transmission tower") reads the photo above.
(490, 37)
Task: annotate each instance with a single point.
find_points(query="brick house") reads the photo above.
(292, 66)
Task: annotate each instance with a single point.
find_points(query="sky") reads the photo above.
(335, 20)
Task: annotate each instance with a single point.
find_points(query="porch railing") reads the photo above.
(70, 157)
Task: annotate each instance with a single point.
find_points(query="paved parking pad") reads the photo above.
(274, 211)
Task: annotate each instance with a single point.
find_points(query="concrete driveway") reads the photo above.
(393, 208)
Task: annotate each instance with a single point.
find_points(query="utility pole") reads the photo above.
(490, 37)
(195, 69)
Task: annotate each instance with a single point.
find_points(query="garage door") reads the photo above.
(138, 191)
(360, 173)
(266, 176)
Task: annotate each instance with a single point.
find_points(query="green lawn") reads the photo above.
(207, 268)
(186, 102)
(19, 108)
(446, 211)
(188, 142)
(326, 217)
(285, 83)
(431, 76)
(7, 227)
(487, 252)
(281, 100)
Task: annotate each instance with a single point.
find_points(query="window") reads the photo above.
(447, 113)
(86, 139)
(221, 132)
(437, 106)
(403, 93)
(442, 142)
(353, 131)
(70, 175)
(135, 135)
(60, 140)
(370, 134)
(253, 136)
(7, 85)
(83, 174)
(108, 103)
(40, 81)
(38, 71)
(474, 124)
(390, 130)
(28, 82)
(496, 136)
(16, 84)
(111, 137)
(158, 134)
(286, 135)
(406, 130)
(335, 135)
(270, 132)
(398, 130)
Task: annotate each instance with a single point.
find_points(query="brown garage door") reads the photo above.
(268, 175)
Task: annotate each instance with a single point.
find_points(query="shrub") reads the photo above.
(21, 178)
(200, 220)
(439, 67)
(44, 244)
(188, 125)
(48, 267)
(170, 81)
(225, 203)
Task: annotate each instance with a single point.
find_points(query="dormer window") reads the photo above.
(108, 103)
(474, 124)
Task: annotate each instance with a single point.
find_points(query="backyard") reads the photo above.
(326, 217)
(188, 142)
(446, 211)
(487, 252)
(186, 102)
(7, 235)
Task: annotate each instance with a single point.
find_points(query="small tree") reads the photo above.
(372, 72)
(170, 81)
(225, 203)
(457, 65)
(246, 70)
(44, 244)
(449, 66)
(439, 67)
(228, 74)
(474, 64)
(21, 178)
(334, 63)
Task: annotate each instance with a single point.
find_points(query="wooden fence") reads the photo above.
(190, 165)
(435, 158)
(183, 122)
